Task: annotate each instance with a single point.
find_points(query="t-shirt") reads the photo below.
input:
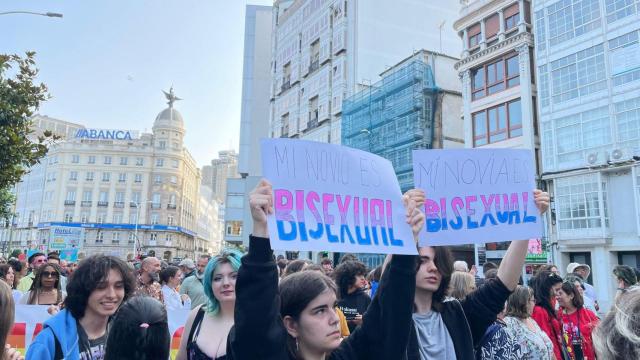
(354, 304)
(579, 325)
(434, 340)
(91, 349)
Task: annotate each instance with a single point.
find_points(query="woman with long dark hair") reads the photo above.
(544, 313)
(298, 320)
(576, 322)
(46, 288)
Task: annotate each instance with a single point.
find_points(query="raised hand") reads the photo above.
(542, 200)
(417, 195)
(414, 217)
(261, 204)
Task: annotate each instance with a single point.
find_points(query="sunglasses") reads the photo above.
(49, 274)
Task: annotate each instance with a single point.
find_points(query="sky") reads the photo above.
(106, 63)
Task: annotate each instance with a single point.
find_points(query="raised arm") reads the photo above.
(511, 265)
(258, 332)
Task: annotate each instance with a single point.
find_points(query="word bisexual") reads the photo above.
(372, 218)
(494, 209)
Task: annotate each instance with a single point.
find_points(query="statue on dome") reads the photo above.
(171, 97)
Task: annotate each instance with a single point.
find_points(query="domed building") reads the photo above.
(122, 190)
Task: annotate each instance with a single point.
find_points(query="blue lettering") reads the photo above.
(394, 241)
(332, 238)
(282, 234)
(514, 216)
(471, 224)
(317, 233)
(488, 216)
(344, 230)
(363, 240)
(457, 225)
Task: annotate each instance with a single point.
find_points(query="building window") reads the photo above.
(234, 228)
(73, 175)
(117, 218)
(627, 118)
(138, 178)
(154, 218)
(170, 220)
(101, 217)
(75, 159)
(103, 199)
(92, 159)
(235, 201)
(578, 74)
(159, 162)
(619, 9)
(106, 176)
(497, 123)
(313, 113)
(153, 237)
(474, 34)
(624, 57)
(284, 127)
(124, 160)
(174, 179)
(99, 237)
(89, 176)
(139, 161)
(87, 195)
(578, 206)
(175, 163)
(155, 200)
(511, 17)
(115, 239)
(133, 218)
(84, 217)
(132, 237)
(162, 144)
(571, 18)
(122, 177)
(494, 77)
(315, 56)
(157, 179)
(71, 196)
(107, 160)
(135, 197)
(492, 26)
(540, 32)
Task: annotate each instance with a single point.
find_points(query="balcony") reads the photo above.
(313, 122)
(286, 85)
(156, 205)
(133, 204)
(69, 202)
(171, 206)
(103, 203)
(315, 64)
(85, 203)
(118, 204)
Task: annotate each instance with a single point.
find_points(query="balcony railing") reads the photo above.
(133, 204)
(118, 204)
(103, 203)
(171, 206)
(85, 203)
(315, 64)
(156, 205)
(69, 202)
(312, 123)
(286, 84)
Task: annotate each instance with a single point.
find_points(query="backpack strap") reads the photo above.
(58, 355)
(196, 323)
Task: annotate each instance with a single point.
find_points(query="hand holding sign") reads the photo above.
(541, 199)
(261, 204)
(415, 217)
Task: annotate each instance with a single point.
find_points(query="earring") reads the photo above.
(297, 345)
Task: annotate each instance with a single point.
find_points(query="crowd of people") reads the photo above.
(258, 306)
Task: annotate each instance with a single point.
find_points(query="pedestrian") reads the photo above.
(451, 329)
(96, 290)
(8, 276)
(188, 268)
(170, 278)
(282, 265)
(579, 283)
(576, 323)
(46, 288)
(193, 286)
(53, 258)
(296, 320)
(544, 313)
(7, 309)
(149, 277)
(295, 266)
(207, 327)
(616, 337)
(139, 331)
(35, 261)
(583, 271)
(352, 300)
(344, 326)
(533, 342)
(327, 266)
(625, 278)
(17, 267)
(460, 265)
(461, 285)
(375, 275)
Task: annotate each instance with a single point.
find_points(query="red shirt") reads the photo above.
(550, 325)
(579, 324)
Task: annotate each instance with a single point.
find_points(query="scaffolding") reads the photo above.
(393, 116)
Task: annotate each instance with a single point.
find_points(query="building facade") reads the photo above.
(254, 122)
(588, 77)
(498, 86)
(124, 188)
(324, 49)
(223, 168)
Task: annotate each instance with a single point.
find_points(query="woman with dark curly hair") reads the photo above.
(352, 300)
(46, 287)
(97, 288)
(544, 313)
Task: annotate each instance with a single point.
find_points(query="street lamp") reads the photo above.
(135, 232)
(48, 14)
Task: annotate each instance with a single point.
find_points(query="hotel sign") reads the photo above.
(102, 134)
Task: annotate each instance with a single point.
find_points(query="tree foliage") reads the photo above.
(20, 97)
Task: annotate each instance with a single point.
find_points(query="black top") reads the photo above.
(468, 320)
(193, 350)
(259, 333)
(354, 304)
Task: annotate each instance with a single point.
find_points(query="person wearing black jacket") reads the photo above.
(352, 300)
(271, 325)
(449, 329)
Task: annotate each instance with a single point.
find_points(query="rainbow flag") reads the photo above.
(175, 342)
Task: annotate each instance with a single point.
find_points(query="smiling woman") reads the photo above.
(97, 289)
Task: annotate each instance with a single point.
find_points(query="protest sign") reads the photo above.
(331, 197)
(30, 318)
(65, 237)
(477, 195)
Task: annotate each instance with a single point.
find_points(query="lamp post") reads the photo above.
(48, 14)
(135, 231)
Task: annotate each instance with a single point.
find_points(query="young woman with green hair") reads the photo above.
(208, 325)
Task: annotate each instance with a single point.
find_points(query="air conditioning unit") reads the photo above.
(619, 155)
(595, 158)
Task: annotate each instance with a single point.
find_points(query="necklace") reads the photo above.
(47, 291)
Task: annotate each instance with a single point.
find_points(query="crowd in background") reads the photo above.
(106, 308)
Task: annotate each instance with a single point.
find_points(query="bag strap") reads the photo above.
(58, 355)
(196, 323)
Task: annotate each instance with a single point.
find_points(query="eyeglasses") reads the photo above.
(47, 274)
